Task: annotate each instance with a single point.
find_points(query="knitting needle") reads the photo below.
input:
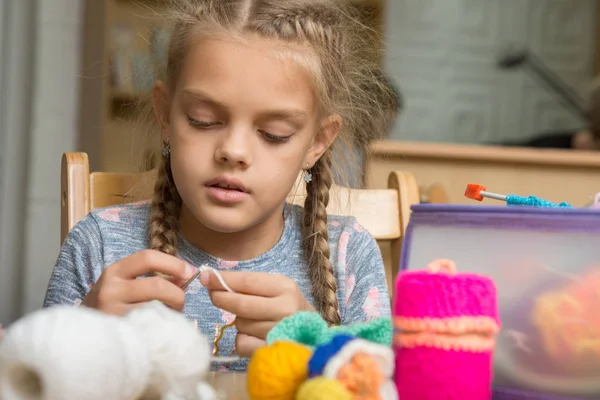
(478, 192)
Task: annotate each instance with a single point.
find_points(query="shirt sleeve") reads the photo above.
(72, 276)
(366, 288)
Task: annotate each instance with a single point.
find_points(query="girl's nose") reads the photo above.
(234, 149)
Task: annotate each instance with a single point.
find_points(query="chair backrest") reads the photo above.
(383, 212)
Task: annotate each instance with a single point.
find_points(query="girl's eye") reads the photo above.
(201, 124)
(274, 138)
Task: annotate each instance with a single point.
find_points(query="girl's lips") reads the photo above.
(226, 196)
(227, 182)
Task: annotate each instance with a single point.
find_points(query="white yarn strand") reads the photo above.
(206, 268)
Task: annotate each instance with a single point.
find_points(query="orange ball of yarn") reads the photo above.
(362, 377)
(276, 372)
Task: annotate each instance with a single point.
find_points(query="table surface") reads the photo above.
(232, 385)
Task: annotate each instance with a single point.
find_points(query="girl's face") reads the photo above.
(242, 123)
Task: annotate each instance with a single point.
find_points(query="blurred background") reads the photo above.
(470, 72)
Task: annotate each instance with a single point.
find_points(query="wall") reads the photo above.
(54, 131)
(442, 55)
(47, 102)
(17, 29)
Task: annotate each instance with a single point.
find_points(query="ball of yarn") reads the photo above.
(276, 372)
(378, 330)
(72, 353)
(365, 369)
(321, 388)
(179, 353)
(382, 356)
(362, 377)
(324, 352)
(305, 327)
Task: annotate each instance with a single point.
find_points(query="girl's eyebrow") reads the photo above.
(268, 114)
(203, 97)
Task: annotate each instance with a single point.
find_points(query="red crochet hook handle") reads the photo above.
(478, 192)
(473, 191)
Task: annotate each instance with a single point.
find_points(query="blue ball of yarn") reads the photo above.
(324, 352)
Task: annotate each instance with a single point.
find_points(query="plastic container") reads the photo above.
(545, 263)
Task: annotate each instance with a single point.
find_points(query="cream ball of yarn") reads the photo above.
(68, 352)
(180, 353)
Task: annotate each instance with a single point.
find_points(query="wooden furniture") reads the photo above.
(122, 51)
(555, 175)
(383, 212)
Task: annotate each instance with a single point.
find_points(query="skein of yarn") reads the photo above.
(72, 353)
(179, 353)
(276, 372)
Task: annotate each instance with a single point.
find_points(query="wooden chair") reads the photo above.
(435, 193)
(383, 212)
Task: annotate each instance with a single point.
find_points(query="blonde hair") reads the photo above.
(348, 81)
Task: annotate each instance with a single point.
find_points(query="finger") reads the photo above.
(246, 345)
(248, 306)
(152, 261)
(259, 329)
(248, 282)
(154, 288)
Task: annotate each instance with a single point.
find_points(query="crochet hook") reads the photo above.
(479, 192)
(187, 283)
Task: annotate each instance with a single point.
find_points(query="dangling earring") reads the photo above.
(166, 151)
(307, 175)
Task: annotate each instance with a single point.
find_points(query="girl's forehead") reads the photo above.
(251, 70)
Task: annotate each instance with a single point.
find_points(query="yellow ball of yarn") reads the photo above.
(276, 372)
(322, 388)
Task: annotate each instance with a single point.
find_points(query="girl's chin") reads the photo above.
(227, 219)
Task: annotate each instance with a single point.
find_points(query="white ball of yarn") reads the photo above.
(65, 352)
(180, 353)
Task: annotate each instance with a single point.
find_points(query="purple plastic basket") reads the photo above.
(528, 252)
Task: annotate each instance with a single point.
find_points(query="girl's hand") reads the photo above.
(118, 291)
(260, 301)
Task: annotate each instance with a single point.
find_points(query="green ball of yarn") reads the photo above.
(310, 329)
(378, 330)
(304, 327)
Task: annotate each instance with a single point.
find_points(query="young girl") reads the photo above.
(256, 93)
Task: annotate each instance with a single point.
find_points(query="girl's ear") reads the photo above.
(330, 128)
(161, 106)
